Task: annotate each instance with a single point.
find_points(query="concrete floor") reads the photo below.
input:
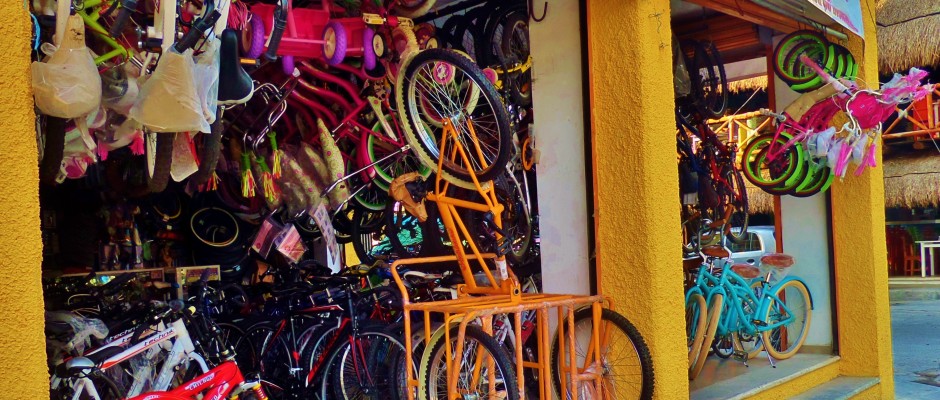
(916, 343)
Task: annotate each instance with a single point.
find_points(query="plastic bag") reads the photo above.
(206, 77)
(168, 101)
(184, 161)
(67, 85)
(823, 142)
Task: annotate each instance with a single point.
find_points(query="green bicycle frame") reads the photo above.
(90, 16)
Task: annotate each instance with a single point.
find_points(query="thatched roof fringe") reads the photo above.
(913, 180)
(908, 34)
(741, 85)
(759, 201)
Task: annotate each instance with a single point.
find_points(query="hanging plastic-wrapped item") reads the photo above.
(207, 79)
(67, 84)
(168, 101)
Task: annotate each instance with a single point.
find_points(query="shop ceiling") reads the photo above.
(738, 26)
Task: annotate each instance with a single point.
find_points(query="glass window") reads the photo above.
(752, 243)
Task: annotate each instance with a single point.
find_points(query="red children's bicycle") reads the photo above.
(222, 382)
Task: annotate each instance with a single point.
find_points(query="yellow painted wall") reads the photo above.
(637, 224)
(858, 221)
(22, 342)
(636, 184)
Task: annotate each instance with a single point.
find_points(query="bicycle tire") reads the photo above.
(491, 35)
(106, 387)
(784, 48)
(518, 84)
(715, 306)
(695, 320)
(716, 107)
(383, 367)
(740, 216)
(359, 235)
(408, 10)
(781, 171)
(771, 342)
(158, 174)
(426, 146)
(617, 320)
(816, 181)
(211, 149)
(53, 150)
(321, 336)
(273, 356)
(431, 365)
(723, 347)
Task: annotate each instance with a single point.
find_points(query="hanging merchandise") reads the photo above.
(67, 84)
(168, 100)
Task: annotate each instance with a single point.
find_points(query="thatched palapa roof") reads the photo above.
(742, 85)
(913, 180)
(908, 34)
(758, 201)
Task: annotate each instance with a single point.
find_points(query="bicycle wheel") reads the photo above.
(313, 358)
(368, 367)
(716, 97)
(736, 196)
(448, 78)
(628, 365)
(211, 148)
(715, 306)
(485, 369)
(159, 158)
(790, 305)
(695, 320)
(723, 347)
(514, 49)
(52, 148)
(818, 179)
(106, 388)
(767, 173)
(275, 362)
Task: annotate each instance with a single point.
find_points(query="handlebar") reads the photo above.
(127, 8)
(195, 33)
(280, 23)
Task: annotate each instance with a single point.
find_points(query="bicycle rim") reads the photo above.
(765, 173)
(482, 360)
(715, 306)
(371, 371)
(789, 302)
(695, 320)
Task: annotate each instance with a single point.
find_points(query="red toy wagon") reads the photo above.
(312, 33)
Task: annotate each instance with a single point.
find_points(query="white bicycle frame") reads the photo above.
(180, 349)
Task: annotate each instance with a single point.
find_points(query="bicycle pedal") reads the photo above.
(739, 356)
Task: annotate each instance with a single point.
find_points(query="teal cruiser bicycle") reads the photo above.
(753, 308)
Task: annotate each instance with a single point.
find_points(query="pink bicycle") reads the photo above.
(805, 153)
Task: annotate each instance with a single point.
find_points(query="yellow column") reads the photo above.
(22, 342)
(858, 220)
(635, 179)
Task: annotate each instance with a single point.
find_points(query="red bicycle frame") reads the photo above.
(219, 383)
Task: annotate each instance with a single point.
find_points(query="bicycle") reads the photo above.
(772, 314)
(797, 159)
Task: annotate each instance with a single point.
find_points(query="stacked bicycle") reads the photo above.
(714, 199)
(743, 309)
(832, 125)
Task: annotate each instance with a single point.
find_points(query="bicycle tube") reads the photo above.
(211, 149)
(158, 175)
(53, 149)
(787, 44)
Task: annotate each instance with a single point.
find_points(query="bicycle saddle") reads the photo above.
(235, 85)
(746, 271)
(778, 260)
(75, 365)
(716, 251)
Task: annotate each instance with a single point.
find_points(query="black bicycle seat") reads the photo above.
(235, 85)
